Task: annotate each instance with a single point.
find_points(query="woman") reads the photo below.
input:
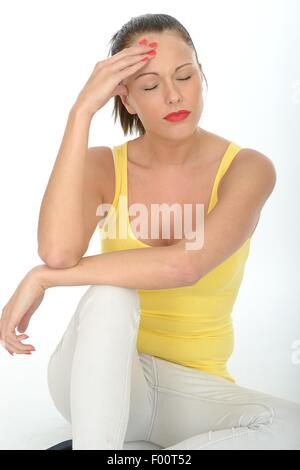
(144, 355)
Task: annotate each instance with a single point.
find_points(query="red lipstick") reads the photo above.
(178, 116)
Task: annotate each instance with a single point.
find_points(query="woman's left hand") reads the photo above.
(17, 312)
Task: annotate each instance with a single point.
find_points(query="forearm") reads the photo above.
(61, 221)
(142, 268)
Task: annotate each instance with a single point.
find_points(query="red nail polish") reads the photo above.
(144, 59)
(151, 52)
(153, 44)
(143, 41)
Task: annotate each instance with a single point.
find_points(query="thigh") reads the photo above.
(190, 402)
(60, 363)
(142, 396)
(60, 368)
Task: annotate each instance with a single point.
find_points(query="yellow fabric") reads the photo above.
(190, 325)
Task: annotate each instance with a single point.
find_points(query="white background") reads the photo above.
(249, 54)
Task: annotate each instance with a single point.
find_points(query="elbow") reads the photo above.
(185, 274)
(58, 260)
(190, 277)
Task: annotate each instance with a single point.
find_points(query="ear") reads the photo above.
(123, 93)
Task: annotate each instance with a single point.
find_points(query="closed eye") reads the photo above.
(148, 89)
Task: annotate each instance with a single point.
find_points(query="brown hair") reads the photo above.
(150, 22)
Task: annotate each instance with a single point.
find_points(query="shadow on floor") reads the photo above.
(135, 445)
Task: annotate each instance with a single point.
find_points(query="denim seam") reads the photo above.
(155, 398)
(207, 445)
(78, 319)
(221, 440)
(226, 402)
(130, 356)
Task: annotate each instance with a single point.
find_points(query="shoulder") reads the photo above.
(99, 160)
(247, 161)
(250, 167)
(255, 164)
(99, 154)
(98, 169)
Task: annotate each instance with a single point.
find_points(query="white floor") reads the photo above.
(28, 417)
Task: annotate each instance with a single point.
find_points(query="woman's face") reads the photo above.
(170, 91)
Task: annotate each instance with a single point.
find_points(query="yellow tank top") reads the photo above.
(190, 325)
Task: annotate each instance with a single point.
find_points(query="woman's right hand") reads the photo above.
(104, 83)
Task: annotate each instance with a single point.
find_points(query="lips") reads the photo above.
(179, 114)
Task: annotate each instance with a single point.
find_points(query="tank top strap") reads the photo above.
(231, 151)
(120, 152)
(229, 155)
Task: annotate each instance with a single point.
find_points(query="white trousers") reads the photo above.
(112, 394)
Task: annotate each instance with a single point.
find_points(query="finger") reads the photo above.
(19, 337)
(17, 346)
(128, 60)
(129, 65)
(129, 52)
(23, 325)
(133, 50)
(131, 69)
(14, 350)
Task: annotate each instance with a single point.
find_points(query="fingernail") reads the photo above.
(153, 44)
(143, 41)
(144, 59)
(152, 52)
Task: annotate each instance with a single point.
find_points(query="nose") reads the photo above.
(171, 93)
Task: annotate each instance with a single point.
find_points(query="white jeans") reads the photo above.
(112, 394)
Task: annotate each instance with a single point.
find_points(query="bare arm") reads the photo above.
(61, 226)
(141, 268)
(244, 191)
(64, 225)
(242, 194)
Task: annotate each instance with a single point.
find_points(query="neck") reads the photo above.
(159, 152)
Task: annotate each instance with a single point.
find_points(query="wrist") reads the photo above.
(78, 110)
(42, 275)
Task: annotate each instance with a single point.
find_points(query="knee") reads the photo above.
(106, 292)
(110, 301)
(271, 410)
(282, 418)
(58, 390)
(288, 413)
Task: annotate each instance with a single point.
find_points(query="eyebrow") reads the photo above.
(155, 73)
